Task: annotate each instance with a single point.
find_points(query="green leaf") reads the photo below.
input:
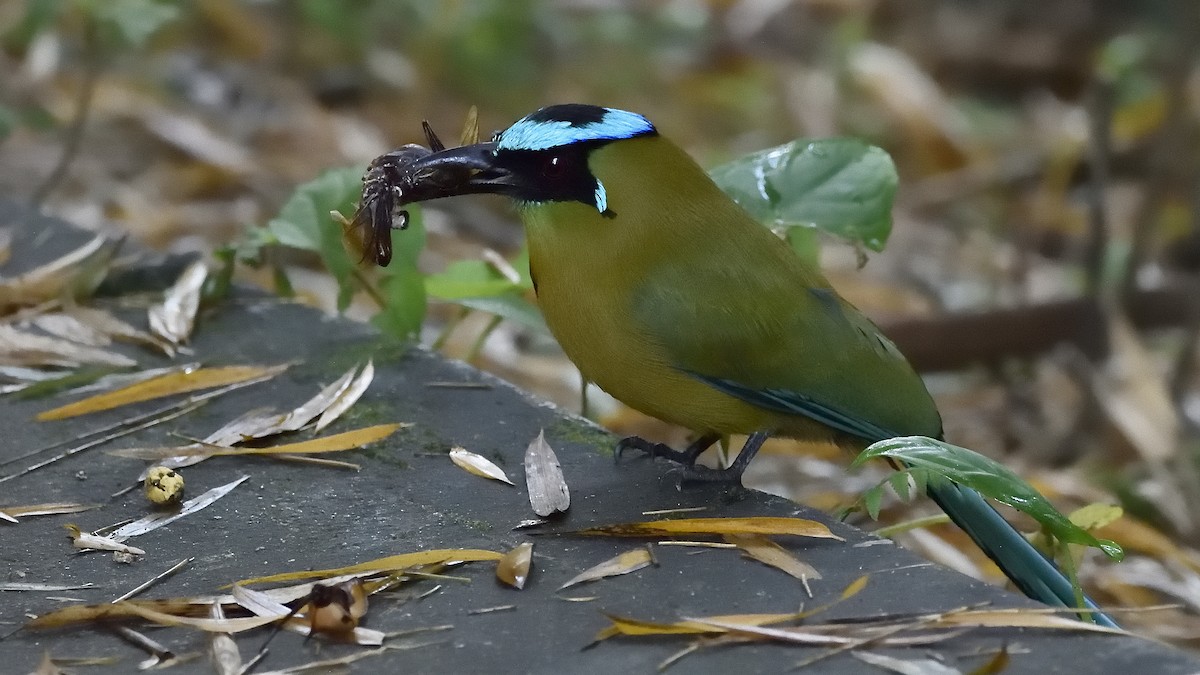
(989, 478)
(304, 222)
(468, 279)
(131, 22)
(404, 311)
(840, 185)
(512, 307)
(900, 485)
(872, 500)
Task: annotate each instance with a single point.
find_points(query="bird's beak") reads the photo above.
(469, 169)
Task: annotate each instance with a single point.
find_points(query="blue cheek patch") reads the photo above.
(537, 133)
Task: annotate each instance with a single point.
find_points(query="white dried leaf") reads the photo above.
(478, 465)
(87, 540)
(629, 561)
(105, 322)
(155, 521)
(548, 490)
(70, 328)
(174, 318)
(222, 649)
(21, 348)
(905, 666)
(305, 412)
(48, 281)
(348, 397)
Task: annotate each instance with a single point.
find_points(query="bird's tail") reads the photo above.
(1036, 576)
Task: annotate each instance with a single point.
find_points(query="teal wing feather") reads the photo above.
(817, 357)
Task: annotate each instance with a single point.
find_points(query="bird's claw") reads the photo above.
(652, 449)
(704, 474)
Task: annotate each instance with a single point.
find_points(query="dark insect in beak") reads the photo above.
(384, 186)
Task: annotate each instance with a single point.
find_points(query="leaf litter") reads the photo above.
(691, 526)
(174, 318)
(478, 465)
(548, 492)
(629, 561)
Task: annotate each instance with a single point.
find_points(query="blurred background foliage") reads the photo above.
(1042, 270)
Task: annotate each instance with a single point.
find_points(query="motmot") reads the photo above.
(670, 297)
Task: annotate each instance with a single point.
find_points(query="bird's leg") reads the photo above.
(685, 457)
(733, 473)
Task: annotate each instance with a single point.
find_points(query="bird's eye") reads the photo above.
(554, 167)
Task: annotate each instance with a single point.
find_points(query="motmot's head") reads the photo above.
(544, 156)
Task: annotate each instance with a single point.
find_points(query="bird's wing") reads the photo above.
(778, 337)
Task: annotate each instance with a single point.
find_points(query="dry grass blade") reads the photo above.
(236, 625)
(70, 328)
(157, 520)
(84, 540)
(45, 588)
(74, 614)
(477, 465)
(347, 440)
(629, 561)
(110, 325)
(768, 552)
(391, 563)
(50, 280)
(164, 385)
(634, 627)
(688, 526)
(222, 649)
(548, 492)
(21, 348)
(348, 397)
(1015, 618)
(906, 667)
(834, 634)
(305, 412)
(513, 568)
(48, 509)
(329, 665)
(174, 318)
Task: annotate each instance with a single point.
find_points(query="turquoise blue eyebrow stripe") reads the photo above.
(615, 125)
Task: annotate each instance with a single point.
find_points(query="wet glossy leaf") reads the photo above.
(513, 568)
(840, 185)
(988, 477)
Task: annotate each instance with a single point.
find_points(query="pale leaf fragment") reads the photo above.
(905, 666)
(478, 465)
(629, 561)
(190, 506)
(105, 322)
(513, 568)
(45, 588)
(48, 509)
(347, 440)
(86, 540)
(164, 385)
(548, 492)
(174, 318)
(222, 649)
(22, 348)
(348, 397)
(50, 280)
(46, 666)
(70, 328)
(402, 561)
(305, 412)
(768, 552)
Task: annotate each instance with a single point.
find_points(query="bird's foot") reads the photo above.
(654, 450)
(703, 474)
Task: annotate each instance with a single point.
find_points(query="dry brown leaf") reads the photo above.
(48, 281)
(548, 492)
(165, 385)
(688, 526)
(105, 322)
(73, 614)
(70, 328)
(174, 318)
(768, 552)
(348, 397)
(222, 649)
(157, 520)
(478, 465)
(513, 568)
(629, 561)
(1015, 618)
(22, 348)
(628, 626)
(329, 618)
(85, 540)
(347, 440)
(391, 563)
(48, 509)
(839, 634)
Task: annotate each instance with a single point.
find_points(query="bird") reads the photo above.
(670, 297)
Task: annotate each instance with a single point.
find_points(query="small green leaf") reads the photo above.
(989, 478)
(840, 185)
(900, 485)
(468, 279)
(404, 310)
(872, 500)
(512, 307)
(132, 22)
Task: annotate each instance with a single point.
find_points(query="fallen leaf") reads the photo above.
(548, 491)
(105, 322)
(513, 567)
(348, 397)
(22, 348)
(305, 412)
(49, 509)
(477, 464)
(48, 281)
(85, 540)
(174, 318)
(686, 526)
(70, 328)
(347, 440)
(164, 385)
(222, 649)
(768, 552)
(629, 561)
(387, 564)
(906, 667)
(45, 588)
(629, 626)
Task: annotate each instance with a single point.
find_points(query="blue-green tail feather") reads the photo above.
(1032, 572)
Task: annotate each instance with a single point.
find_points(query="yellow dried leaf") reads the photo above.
(347, 440)
(49, 509)
(1016, 618)
(687, 526)
(210, 625)
(80, 613)
(513, 568)
(158, 387)
(388, 564)
(478, 465)
(627, 626)
(768, 552)
(470, 132)
(629, 561)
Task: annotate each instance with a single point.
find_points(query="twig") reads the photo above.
(93, 65)
(147, 584)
